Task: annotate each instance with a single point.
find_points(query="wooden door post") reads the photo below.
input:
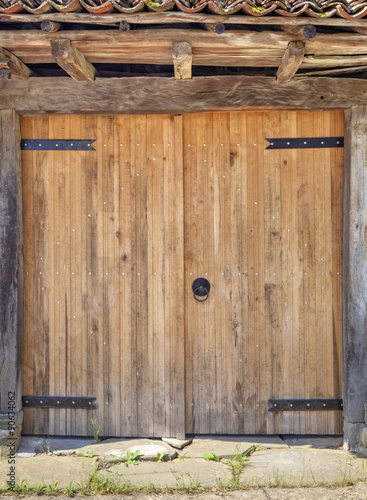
(355, 282)
(11, 283)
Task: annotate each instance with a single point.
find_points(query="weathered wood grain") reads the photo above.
(307, 31)
(11, 273)
(182, 60)
(291, 61)
(178, 17)
(167, 95)
(13, 64)
(72, 61)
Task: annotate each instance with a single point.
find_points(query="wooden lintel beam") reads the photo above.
(13, 64)
(72, 61)
(291, 61)
(42, 96)
(307, 31)
(182, 60)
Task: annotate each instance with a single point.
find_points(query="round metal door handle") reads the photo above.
(201, 288)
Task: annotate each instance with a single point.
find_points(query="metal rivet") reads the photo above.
(290, 274)
(272, 144)
(323, 288)
(39, 145)
(275, 404)
(192, 404)
(26, 272)
(123, 274)
(305, 244)
(153, 158)
(274, 274)
(221, 143)
(189, 145)
(289, 317)
(306, 303)
(257, 346)
(322, 273)
(305, 142)
(57, 145)
(40, 272)
(138, 274)
(105, 202)
(153, 143)
(222, 274)
(138, 144)
(322, 258)
(104, 343)
(255, 202)
(288, 143)
(322, 142)
(239, 189)
(238, 143)
(291, 405)
(121, 358)
(254, 143)
(107, 403)
(240, 404)
(41, 258)
(169, 144)
(74, 317)
(122, 187)
(42, 288)
(89, 403)
(88, 144)
(57, 272)
(288, 229)
(88, 215)
(74, 230)
(305, 274)
(41, 401)
(58, 243)
(338, 273)
(240, 360)
(137, 373)
(273, 216)
(204, 161)
(337, 142)
(308, 404)
(59, 402)
(224, 176)
(323, 404)
(204, 144)
(91, 331)
(239, 274)
(106, 274)
(137, 175)
(256, 274)
(190, 274)
(274, 332)
(121, 144)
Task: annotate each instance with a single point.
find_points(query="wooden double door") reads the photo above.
(114, 238)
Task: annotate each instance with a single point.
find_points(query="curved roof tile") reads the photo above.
(347, 9)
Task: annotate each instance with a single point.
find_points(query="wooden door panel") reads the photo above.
(104, 275)
(265, 227)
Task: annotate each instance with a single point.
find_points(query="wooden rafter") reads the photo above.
(72, 61)
(13, 64)
(291, 61)
(182, 60)
(167, 95)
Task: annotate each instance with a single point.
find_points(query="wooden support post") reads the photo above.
(11, 280)
(308, 31)
(50, 26)
(13, 64)
(217, 28)
(124, 26)
(182, 60)
(291, 61)
(72, 61)
(354, 279)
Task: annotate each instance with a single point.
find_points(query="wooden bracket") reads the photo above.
(290, 62)
(13, 64)
(50, 26)
(182, 60)
(71, 60)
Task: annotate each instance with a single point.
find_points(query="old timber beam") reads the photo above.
(13, 64)
(166, 95)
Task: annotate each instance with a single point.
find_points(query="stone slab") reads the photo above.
(148, 448)
(201, 473)
(56, 445)
(177, 443)
(143, 474)
(322, 442)
(305, 467)
(49, 470)
(224, 446)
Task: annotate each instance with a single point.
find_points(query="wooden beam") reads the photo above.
(72, 61)
(179, 17)
(166, 95)
(354, 275)
(291, 61)
(333, 61)
(182, 60)
(13, 64)
(11, 277)
(50, 26)
(308, 31)
(334, 72)
(217, 28)
(124, 26)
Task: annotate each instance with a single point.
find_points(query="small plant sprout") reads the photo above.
(160, 456)
(94, 431)
(211, 456)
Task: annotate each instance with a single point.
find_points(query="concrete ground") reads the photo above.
(280, 467)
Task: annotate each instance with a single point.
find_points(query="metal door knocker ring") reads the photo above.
(201, 288)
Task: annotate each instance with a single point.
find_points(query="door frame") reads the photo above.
(23, 97)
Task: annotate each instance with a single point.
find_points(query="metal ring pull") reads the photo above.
(201, 288)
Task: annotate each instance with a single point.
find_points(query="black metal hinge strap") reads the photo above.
(58, 402)
(305, 404)
(306, 143)
(57, 145)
